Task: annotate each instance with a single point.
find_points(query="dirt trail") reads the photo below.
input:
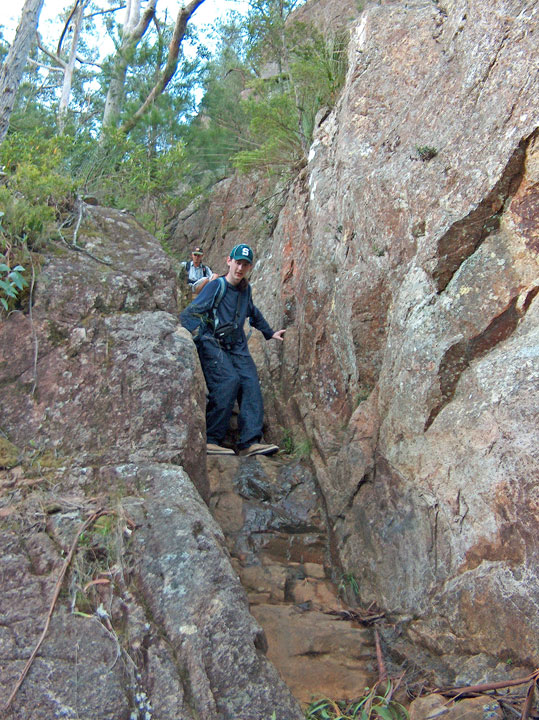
(273, 522)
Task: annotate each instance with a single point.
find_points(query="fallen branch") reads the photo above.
(363, 617)
(485, 687)
(73, 245)
(57, 589)
(530, 696)
(34, 333)
(382, 672)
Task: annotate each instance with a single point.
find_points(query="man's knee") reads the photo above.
(197, 287)
(229, 386)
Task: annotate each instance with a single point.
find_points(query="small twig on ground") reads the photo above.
(398, 680)
(77, 226)
(57, 589)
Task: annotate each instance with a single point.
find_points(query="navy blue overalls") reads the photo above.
(230, 374)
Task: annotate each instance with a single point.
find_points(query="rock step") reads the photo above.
(274, 529)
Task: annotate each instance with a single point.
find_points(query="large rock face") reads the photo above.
(103, 412)
(412, 281)
(405, 264)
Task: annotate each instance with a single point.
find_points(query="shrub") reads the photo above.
(371, 705)
(426, 152)
(36, 188)
(11, 283)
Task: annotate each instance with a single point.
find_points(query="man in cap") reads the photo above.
(216, 318)
(198, 275)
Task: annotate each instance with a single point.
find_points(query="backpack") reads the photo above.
(219, 295)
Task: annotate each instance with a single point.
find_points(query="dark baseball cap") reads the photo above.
(197, 251)
(241, 252)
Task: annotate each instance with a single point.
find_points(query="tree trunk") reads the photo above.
(76, 22)
(133, 30)
(13, 68)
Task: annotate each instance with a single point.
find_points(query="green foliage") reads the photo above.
(362, 394)
(44, 173)
(9, 453)
(371, 705)
(123, 173)
(36, 187)
(176, 151)
(300, 448)
(216, 133)
(12, 280)
(282, 109)
(349, 585)
(303, 449)
(318, 66)
(262, 93)
(11, 283)
(274, 134)
(287, 443)
(426, 152)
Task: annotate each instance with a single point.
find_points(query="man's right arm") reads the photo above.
(197, 312)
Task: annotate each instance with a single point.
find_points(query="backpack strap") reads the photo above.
(189, 263)
(249, 297)
(221, 290)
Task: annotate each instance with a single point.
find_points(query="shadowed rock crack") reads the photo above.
(460, 355)
(465, 236)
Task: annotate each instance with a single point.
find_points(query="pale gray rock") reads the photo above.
(412, 279)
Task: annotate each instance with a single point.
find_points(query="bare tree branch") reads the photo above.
(50, 68)
(57, 59)
(66, 26)
(104, 12)
(171, 66)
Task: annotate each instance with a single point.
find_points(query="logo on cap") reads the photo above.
(242, 252)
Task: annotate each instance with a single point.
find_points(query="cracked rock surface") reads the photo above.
(404, 265)
(105, 425)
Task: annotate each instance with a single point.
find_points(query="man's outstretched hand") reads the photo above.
(278, 335)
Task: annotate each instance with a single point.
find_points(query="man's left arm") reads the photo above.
(259, 322)
(210, 274)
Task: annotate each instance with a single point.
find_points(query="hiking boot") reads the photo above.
(259, 449)
(212, 449)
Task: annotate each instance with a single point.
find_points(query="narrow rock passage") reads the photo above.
(274, 526)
